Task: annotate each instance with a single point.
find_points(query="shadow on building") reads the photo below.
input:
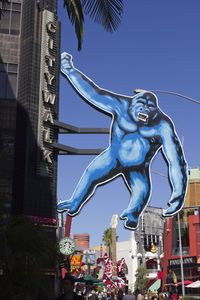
(27, 180)
(7, 132)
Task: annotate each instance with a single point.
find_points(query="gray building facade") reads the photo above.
(29, 79)
(149, 240)
(10, 28)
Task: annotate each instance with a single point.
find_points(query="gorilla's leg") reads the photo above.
(101, 169)
(140, 187)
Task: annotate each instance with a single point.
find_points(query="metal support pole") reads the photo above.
(181, 256)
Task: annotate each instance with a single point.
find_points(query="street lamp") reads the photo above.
(181, 255)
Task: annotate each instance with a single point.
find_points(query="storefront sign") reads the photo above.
(89, 252)
(76, 261)
(43, 220)
(67, 246)
(186, 261)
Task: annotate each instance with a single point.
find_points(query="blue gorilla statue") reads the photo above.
(139, 130)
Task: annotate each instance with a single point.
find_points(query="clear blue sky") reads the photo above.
(157, 46)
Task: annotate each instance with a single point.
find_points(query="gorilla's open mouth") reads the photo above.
(142, 117)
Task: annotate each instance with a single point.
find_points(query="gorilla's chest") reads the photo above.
(133, 149)
(148, 131)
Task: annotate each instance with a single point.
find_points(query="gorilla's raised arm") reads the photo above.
(103, 99)
(178, 169)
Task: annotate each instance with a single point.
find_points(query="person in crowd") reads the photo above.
(104, 296)
(129, 296)
(174, 295)
(120, 294)
(93, 295)
(167, 292)
(140, 296)
(108, 296)
(113, 295)
(67, 284)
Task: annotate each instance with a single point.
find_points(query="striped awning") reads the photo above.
(194, 285)
(155, 286)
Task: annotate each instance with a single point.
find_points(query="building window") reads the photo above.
(147, 242)
(3, 67)
(16, 6)
(11, 86)
(151, 264)
(15, 23)
(184, 237)
(12, 68)
(3, 79)
(5, 22)
(150, 240)
(8, 79)
(10, 21)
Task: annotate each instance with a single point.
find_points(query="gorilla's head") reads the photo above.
(144, 107)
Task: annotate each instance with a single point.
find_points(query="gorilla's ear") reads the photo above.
(150, 95)
(137, 91)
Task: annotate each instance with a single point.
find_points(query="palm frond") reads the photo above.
(107, 13)
(107, 236)
(75, 13)
(3, 4)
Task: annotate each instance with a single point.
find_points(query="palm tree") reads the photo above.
(141, 280)
(107, 13)
(107, 239)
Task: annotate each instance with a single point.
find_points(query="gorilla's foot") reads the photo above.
(174, 208)
(124, 214)
(71, 207)
(129, 212)
(131, 222)
(132, 219)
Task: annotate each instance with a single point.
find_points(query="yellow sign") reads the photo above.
(76, 260)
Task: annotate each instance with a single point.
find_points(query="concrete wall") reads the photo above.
(127, 250)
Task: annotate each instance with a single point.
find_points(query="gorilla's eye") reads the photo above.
(141, 108)
(151, 106)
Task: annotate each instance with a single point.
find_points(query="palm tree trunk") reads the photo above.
(113, 251)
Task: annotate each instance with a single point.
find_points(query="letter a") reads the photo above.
(48, 116)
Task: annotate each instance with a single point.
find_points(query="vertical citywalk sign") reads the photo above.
(48, 87)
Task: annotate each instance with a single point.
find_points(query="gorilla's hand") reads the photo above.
(66, 62)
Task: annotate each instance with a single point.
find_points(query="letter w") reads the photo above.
(49, 97)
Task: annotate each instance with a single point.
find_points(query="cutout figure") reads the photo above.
(139, 130)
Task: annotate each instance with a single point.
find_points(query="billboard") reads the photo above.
(139, 129)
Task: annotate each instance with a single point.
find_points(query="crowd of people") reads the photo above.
(69, 292)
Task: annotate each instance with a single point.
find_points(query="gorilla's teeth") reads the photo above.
(142, 117)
